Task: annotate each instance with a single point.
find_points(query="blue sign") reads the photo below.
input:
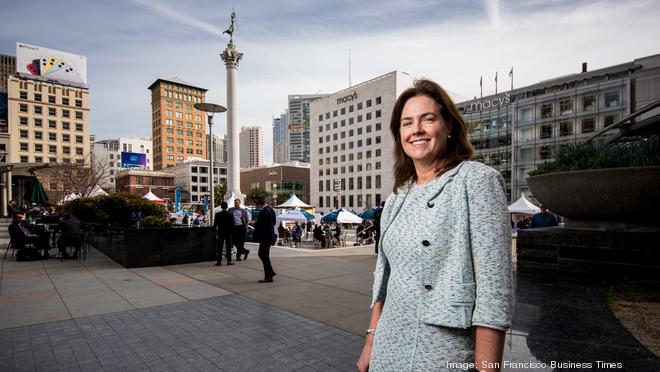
(133, 160)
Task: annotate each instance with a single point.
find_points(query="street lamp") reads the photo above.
(210, 109)
(274, 194)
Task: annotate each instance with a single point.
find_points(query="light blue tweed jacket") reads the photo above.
(467, 278)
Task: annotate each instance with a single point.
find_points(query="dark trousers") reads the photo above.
(264, 256)
(224, 240)
(239, 239)
(376, 242)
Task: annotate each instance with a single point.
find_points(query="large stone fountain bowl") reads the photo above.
(620, 196)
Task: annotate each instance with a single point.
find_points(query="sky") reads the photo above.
(302, 47)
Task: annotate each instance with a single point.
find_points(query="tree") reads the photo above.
(282, 197)
(80, 177)
(256, 192)
(219, 192)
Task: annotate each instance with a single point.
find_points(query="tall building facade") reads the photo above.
(351, 145)
(298, 125)
(7, 67)
(281, 139)
(252, 147)
(517, 130)
(122, 153)
(48, 121)
(178, 129)
(219, 148)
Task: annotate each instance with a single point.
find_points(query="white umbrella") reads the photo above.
(292, 215)
(348, 217)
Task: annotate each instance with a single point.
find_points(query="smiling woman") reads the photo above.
(442, 294)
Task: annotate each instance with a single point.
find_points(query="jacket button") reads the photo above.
(430, 204)
(428, 287)
(425, 243)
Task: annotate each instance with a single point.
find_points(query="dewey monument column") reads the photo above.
(231, 58)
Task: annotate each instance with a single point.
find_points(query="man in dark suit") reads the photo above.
(20, 237)
(70, 236)
(224, 227)
(264, 233)
(241, 220)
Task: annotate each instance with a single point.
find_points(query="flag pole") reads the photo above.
(481, 86)
(495, 82)
(511, 76)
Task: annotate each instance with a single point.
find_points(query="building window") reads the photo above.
(52, 149)
(38, 110)
(66, 113)
(78, 103)
(66, 149)
(52, 136)
(52, 124)
(51, 99)
(546, 131)
(38, 147)
(24, 146)
(79, 150)
(66, 125)
(588, 125)
(52, 111)
(23, 120)
(23, 134)
(565, 128)
(23, 107)
(545, 152)
(589, 103)
(79, 127)
(546, 110)
(24, 159)
(611, 99)
(65, 101)
(566, 106)
(79, 115)
(66, 138)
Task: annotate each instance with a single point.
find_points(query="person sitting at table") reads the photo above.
(70, 236)
(318, 235)
(20, 237)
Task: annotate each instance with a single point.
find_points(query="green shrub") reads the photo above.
(113, 209)
(154, 222)
(645, 152)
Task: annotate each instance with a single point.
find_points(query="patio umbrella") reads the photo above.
(369, 214)
(36, 194)
(309, 216)
(293, 215)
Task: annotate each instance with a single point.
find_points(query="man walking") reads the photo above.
(265, 234)
(379, 212)
(223, 224)
(240, 217)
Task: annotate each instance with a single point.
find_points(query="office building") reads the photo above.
(280, 139)
(140, 182)
(298, 126)
(291, 178)
(178, 129)
(122, 153)
(351, 143)
(7, 67)
(518, 129)
(192, 178)
(252, 147)
(219, 148)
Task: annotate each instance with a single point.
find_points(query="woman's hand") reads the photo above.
(365, 357)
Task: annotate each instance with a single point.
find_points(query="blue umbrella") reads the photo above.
(331, 216)
(369, 214)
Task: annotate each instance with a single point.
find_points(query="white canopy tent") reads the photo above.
(348, 217)
(292, 215)
(152, 197)
(524, 206)
(96, 191)
(294, 202)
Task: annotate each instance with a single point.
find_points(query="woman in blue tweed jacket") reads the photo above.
(443, 284)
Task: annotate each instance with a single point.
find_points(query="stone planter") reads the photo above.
(154, 247)
(602, 198)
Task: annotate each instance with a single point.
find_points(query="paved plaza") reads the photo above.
(95, 315)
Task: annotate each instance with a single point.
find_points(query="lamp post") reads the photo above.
(274, 194)
(338, 191)
(210, 109)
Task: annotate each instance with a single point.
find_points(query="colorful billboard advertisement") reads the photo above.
(51, 64)
(133, 160)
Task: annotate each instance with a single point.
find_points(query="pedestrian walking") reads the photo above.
(265, 234)
(241, 220)
(223, 224)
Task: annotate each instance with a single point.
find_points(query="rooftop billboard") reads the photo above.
(51, 64)
(133, 160)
